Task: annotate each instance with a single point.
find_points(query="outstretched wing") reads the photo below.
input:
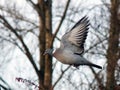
(75, 38)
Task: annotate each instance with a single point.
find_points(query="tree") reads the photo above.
(113, 52)
(43, 28)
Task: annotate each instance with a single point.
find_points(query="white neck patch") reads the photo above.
(53, 51)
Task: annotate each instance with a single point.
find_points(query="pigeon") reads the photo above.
(72, 46)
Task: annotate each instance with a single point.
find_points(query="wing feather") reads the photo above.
(75, 38)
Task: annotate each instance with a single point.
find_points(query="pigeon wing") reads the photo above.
(75, 38)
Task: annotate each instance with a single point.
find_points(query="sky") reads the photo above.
(19, 65)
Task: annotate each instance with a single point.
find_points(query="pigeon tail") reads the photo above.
(94, 65)
(88, 64)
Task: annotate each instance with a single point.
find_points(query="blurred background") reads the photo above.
(28, 27)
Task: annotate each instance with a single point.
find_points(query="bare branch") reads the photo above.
(97, 78)
(36, 7)
(5, 88)
(17, 15)
(60, 76)
(62, 19)
(13, 42)
(95, 45)
(27, 52)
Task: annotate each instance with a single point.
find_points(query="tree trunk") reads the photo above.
(48, 58)
(113, 42)
(42, 43)
(45, 42)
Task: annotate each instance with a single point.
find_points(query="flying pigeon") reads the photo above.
(72, 45)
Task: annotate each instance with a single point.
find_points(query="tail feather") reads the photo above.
(93, 65)
(88, 64)
(97, 66)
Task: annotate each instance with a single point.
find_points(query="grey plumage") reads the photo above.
(72, 45)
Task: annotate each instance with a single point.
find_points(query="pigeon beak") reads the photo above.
(44, 53)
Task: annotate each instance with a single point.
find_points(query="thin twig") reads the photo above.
(60, 76)
(97, 78)
(28, 54)
(95, 45)
(36, 7)
(61, 21)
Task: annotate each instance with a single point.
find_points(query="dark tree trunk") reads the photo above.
(45, 42)
(113, 42)
(48, 59)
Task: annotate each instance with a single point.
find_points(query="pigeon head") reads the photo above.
(48, 51)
